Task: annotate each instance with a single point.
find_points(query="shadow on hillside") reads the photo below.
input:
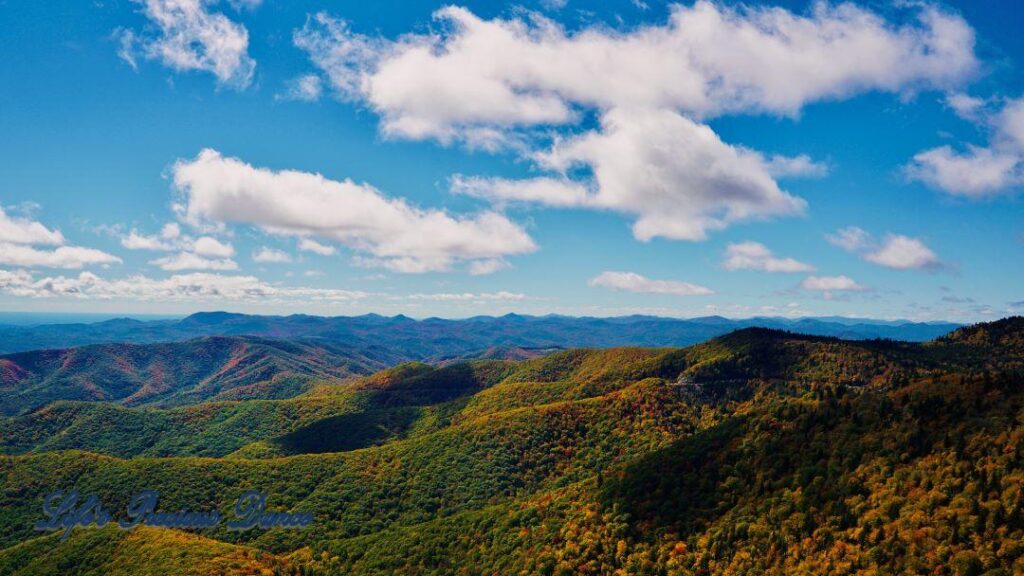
(799, 458)
(349, 431)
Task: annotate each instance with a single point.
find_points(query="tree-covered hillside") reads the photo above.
(174, 373)
(760, 452)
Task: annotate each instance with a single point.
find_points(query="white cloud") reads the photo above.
(271, 256)
(1010, 123)
(203, 253)
(198, 286)
(553, 4)
(978, 171)
(168, 239)
(338, 53)
(9, 278)
(549, 191)
(24, 231)
(192, 261)
(468, 296)
(851, 238)
(20, 238)
(134, 240)
(170, 231)
(707, 60)
(965, 105)
(756, 256)
(306, 88)
(213, 248)
(484, 267)
(309, 245)
(795, 166)
(895, 251)
(675, 176)
(493, 83)
(829, 284)
(126, 46)
(73, 257)
(190, 37)
(391, 233)
(632, 282)
(245, 4)
(903, 253)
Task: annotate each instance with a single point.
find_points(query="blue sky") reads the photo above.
(607, 158)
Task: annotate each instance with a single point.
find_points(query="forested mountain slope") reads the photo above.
(760, 452)
(173, 373)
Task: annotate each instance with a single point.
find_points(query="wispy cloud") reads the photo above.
(193, 287)
(828, 286)
(633, 282)
(189, 36)
(267, 255)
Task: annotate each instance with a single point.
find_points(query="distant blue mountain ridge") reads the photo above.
(438, 338)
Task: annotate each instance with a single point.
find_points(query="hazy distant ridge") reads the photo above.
(435, 338)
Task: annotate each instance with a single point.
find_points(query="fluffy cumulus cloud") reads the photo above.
(187, 35)
(676, 176)
(632, 282)
(828, 286)
(389, 232)
(903, 253)
(136, 241)
(213, 248)
(707, 59)
(757, 256)
(202, 253)
(169, 238)
(193, 287)
(30, 244)
(894, 251)
(978, 171)
(500, 82)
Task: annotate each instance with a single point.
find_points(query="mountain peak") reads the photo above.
(215, 317)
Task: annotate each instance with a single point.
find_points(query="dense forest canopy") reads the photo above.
(758, 452)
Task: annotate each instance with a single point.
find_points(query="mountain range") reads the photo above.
(760, 451)
(174, 373)
(437, 339)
